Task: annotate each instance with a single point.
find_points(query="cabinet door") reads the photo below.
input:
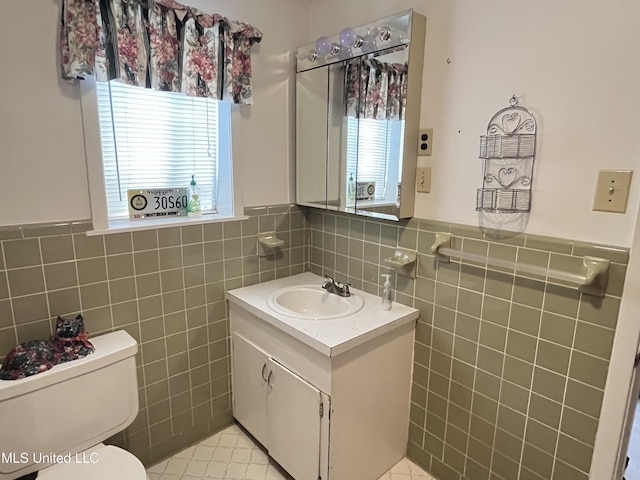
(311, 144)
(249, 385)
(294, 422)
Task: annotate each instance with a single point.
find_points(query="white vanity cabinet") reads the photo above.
(328, 399)
(280, 409)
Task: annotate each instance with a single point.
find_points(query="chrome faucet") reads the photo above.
(332, 286)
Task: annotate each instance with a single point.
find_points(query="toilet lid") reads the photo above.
(102, 462)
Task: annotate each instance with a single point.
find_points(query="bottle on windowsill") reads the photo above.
(351, 188)
(193, 206)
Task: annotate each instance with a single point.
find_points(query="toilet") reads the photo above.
(53, 423)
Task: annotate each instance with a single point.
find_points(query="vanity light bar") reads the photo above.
(386, 33)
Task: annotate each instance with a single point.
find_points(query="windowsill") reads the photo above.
(122, 226)
(371, 203)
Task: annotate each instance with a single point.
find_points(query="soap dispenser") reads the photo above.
(386, 292)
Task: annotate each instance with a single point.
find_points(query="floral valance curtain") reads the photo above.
(376, 90)
(159, 44)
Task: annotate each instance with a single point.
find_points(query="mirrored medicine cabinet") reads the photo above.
(357, 117)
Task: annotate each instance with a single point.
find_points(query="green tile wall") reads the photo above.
(509, 370)
(166, 288)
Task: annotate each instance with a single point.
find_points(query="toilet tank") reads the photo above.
(69, 408)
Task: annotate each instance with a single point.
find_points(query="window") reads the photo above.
(371, 144)
(154, 139)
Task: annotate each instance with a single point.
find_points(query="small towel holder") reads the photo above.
(403, 261)
(268, 243)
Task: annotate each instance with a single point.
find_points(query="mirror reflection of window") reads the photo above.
(375, 102)
(374, 154)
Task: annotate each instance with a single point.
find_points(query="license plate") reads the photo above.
(157, 202)
(365, 190)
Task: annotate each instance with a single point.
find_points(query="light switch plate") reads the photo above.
(425, 141)
(612, 191)
(423, 179)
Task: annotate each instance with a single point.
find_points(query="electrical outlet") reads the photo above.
(423, 179)
(425, 141)
(612, 191)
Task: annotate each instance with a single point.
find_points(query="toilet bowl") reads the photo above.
(59, 418)
(102, 462)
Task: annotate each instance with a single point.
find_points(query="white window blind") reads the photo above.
(153, 139)
(374, 143)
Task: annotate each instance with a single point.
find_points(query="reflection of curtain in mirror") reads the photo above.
(375, 89)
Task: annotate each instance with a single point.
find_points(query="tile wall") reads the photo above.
(166, 288)
(509, 370)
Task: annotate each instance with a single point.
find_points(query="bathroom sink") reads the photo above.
(312, 302)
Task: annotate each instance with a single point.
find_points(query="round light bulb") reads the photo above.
(347, 37)
(323, 46)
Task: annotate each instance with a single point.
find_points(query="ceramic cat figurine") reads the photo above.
(37, 356)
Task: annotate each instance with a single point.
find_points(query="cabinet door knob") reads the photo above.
(264, 367)
(269, 379)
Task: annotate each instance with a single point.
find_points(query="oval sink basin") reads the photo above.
(312, 302)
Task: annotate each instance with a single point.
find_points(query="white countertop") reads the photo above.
(329, 337)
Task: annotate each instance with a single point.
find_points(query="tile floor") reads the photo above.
(231, 455)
